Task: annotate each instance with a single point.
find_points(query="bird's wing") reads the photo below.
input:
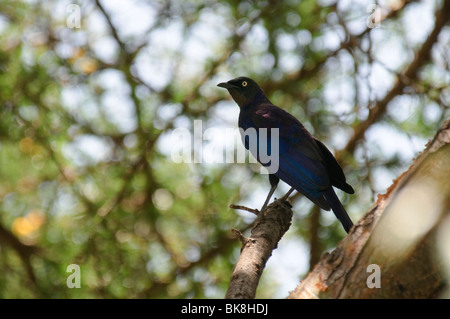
(271, 116)
(337, 177)
(301, 162)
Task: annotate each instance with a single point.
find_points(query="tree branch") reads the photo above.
(24, 251)
(268, 229)
(422, 56)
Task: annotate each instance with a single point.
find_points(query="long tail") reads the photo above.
(338, 209)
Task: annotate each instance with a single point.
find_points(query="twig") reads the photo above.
(24, 251)
(248, 209)
(422, 56)
(240, 236)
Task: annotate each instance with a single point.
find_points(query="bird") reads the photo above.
(304, 162)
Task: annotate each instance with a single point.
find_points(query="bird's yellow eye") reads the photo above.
(244, 83)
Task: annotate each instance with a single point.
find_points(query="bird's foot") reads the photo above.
(286, 196)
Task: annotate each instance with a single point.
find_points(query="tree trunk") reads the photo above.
(400, 248)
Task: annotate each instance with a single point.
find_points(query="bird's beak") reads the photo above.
(226, 85)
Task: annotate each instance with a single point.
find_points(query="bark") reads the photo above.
(268, 229)
(401, 244)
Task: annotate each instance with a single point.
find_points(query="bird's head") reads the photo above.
(242, 89)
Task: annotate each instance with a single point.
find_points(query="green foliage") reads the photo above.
(86, 116)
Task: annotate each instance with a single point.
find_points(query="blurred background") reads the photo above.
(93, 95)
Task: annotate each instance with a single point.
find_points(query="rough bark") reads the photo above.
(268, 229)
(405, 235)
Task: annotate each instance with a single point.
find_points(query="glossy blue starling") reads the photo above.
(303, 162)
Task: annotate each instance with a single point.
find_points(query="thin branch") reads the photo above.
(422, 56)
(240, 236)
(24, 251)
(248, 209)
(112, 27)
